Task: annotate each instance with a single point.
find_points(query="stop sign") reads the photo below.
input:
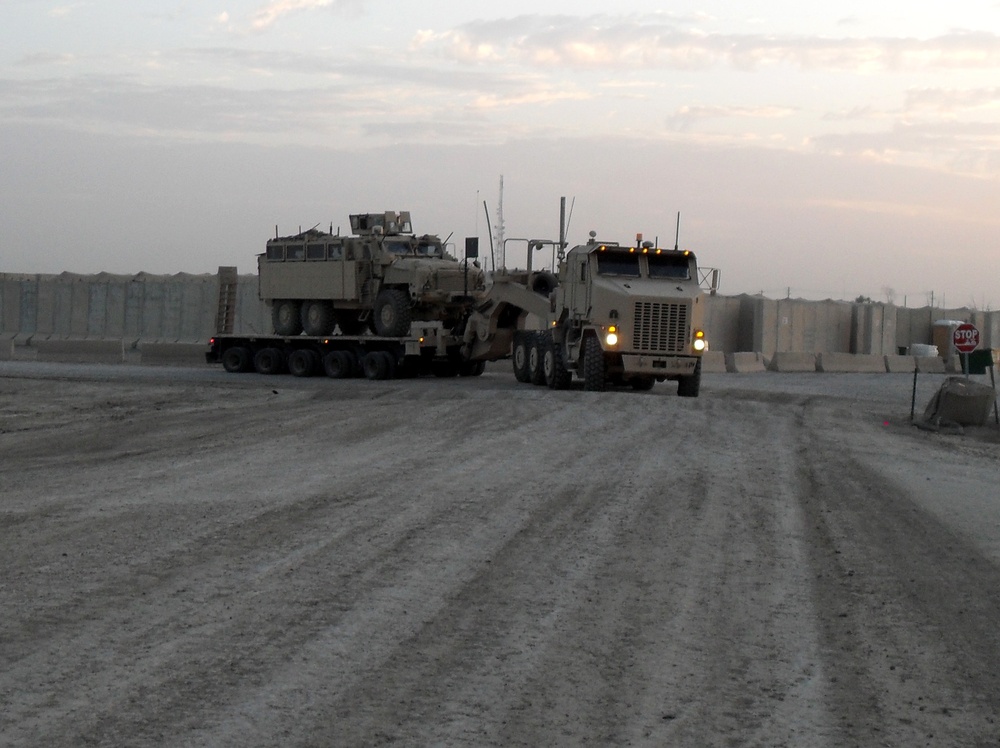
(965, 338)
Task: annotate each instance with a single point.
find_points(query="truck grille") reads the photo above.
(660, 327)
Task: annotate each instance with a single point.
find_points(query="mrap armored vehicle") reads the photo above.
(616, 315)
(383, 277)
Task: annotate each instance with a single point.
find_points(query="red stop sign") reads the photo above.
(965, 338)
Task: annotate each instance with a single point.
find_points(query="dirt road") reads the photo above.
(200, 559)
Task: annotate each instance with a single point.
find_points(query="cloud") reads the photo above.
(686, 117)
(278, 9)
(659, 42)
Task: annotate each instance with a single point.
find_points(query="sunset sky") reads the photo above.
(822, 150)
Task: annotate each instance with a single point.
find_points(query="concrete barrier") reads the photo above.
(930, 364)
(895, 364)
(72, 350)
(713, 362)
(850, 363)
(789, 361)
(743, 363)
(171, 354)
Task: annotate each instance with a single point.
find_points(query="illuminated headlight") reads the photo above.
(700, 344)
(611, 339)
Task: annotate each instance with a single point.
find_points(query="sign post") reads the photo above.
(966, 340)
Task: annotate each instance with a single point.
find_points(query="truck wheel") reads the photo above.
(642, 383)
(471, 368)
(338, 364)
(237, 359)
(390, 364)
(557, 376)
(376, 366)
(688, 386)
(536, 366)
(520, 356)
(392, 313)
(269, 361)
(595, 367)
(302, 362)
(286, 317)
(317, 318)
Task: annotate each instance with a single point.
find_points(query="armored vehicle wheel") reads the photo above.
(286, 317)
(338, 364)
(595, 368)
(392, 313)
(520, 356)
(237, 359)
(350, 324)
(557, 376)
(376, 365)
(269, 361)
(317, 317)
(688, 386)
(642, 383)
(303, 362)
(536, 353)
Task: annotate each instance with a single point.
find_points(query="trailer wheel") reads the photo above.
(595, 367)
(237, 360)
(317, 318)
(642, 384)
(690, 385)
(338, 364)
(392, 313)
(557, 376)
(390, 364)
(302, 362)
(520, 357)
(376, 365)
(536, 367)
(286, 316)
(269, 361)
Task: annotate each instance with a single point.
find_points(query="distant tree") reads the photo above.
(863, 300)
(890, 294)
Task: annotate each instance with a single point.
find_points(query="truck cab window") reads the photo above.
(618, 263)
(673, 266)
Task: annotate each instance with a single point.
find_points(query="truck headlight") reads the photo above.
(611, 339)
(700, 344)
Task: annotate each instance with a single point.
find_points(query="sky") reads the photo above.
(813, 150)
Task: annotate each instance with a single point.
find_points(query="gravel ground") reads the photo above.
(194, 558)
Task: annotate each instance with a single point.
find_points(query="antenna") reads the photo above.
(677, 235)
(499, 227)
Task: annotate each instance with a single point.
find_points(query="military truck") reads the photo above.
(617, 315)
(383, 278)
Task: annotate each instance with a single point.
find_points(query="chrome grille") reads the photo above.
(660, 328)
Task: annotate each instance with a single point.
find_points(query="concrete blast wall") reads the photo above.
(181, 310)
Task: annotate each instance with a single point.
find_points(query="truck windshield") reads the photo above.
(674, 266)
(397, 246)
(618, 263)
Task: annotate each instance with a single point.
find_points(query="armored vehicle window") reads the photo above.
(618, 263)
(275, 252)
(294, 252)
(336, 252)
(428, 248)
(315, 252)
(397, 247)
(669, 265)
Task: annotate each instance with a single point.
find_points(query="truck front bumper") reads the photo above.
(659, 366)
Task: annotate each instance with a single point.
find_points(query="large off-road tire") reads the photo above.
(303, 362)
(690, 385)
(392, 313)
(237, 359)
(557, 376)
(376, 365)
(338, 364)
(519, 354)
(536, 356)
(286, 317)
(317, 318)
(269, 361)
(349, 322)
(595, 366)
